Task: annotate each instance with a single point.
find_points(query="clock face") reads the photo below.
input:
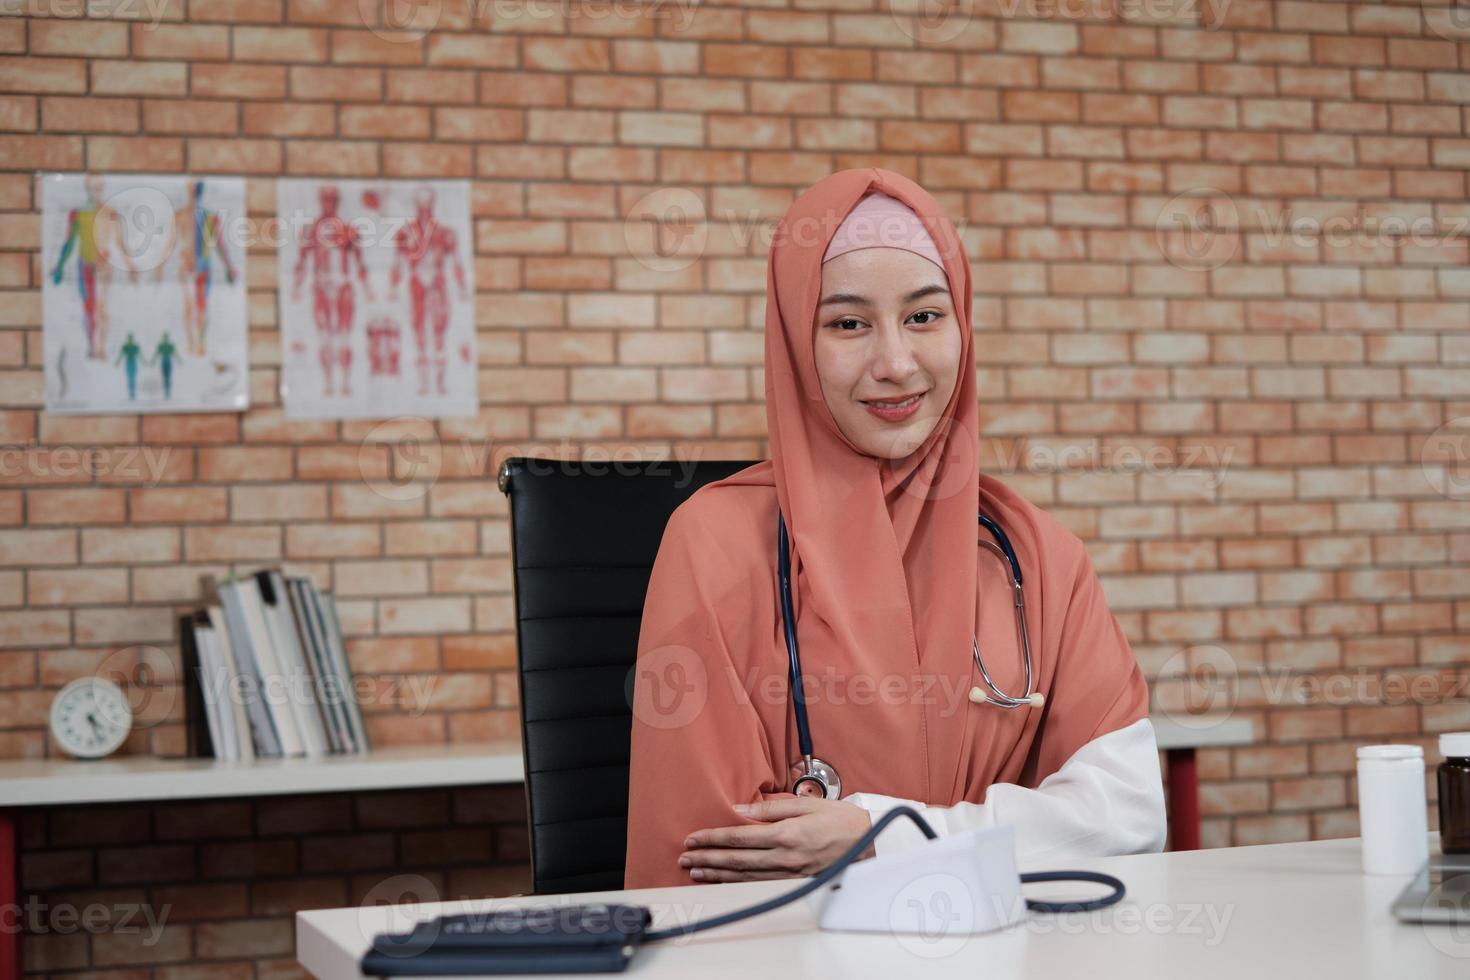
(90, 717)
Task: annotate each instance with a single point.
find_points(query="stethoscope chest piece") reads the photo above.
(817, 779)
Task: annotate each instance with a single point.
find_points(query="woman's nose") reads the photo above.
(893, 355)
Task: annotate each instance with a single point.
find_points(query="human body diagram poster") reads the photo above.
(377, 299)
(143, 293)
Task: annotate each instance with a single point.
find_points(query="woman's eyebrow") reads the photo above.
(919, 293)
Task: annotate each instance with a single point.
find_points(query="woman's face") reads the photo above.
(886, 329)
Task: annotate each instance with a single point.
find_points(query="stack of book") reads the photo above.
(266, 674)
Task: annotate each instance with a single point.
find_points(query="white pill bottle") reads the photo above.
(1393, 809)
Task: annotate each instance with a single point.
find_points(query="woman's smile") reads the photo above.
(895, 411)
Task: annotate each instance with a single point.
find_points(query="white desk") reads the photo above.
(1277, 910)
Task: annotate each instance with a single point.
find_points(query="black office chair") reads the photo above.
(583, 540)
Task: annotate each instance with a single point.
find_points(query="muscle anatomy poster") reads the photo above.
(143, 293)
(377, 299)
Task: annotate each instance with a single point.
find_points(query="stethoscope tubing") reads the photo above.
(788, 619)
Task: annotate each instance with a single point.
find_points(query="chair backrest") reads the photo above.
(583, 539)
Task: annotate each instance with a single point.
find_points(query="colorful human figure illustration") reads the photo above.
(421, 249)
(198, 236)
(332, 250)
(130, 352)
(164, 356)
(95, 233)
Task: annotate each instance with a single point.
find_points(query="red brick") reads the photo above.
(196, 42)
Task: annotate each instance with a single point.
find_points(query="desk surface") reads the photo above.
(1301, 909)
(42, 782)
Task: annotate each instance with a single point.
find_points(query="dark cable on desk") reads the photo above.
(851, 854)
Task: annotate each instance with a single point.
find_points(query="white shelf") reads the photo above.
(1203, 732)
(42, 782)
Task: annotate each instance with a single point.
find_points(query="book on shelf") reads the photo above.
(266, 672)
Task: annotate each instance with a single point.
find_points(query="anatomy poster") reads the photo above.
(143, 293)
(377, 299)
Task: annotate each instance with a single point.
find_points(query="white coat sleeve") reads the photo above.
(1108, 798)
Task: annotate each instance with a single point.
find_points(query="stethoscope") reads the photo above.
(820, 775)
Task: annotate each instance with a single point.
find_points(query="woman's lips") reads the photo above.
(890, 413)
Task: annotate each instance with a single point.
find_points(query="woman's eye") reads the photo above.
(849, 324)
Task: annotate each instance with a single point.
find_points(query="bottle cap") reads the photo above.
(1455, 745)
(1391, 752)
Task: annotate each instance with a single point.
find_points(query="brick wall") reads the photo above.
(1257, 425)
(203, 889)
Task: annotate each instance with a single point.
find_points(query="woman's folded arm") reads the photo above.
(1108, 798)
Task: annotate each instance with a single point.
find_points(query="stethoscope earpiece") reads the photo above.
(1036, 700)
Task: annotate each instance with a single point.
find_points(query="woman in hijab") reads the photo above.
(872, 414)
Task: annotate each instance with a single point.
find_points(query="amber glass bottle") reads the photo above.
(1454, 793)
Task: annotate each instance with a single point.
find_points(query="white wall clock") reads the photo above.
(90, 717)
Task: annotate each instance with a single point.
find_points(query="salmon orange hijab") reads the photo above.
(887, 594)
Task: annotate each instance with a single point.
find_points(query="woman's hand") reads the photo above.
(801, 836)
